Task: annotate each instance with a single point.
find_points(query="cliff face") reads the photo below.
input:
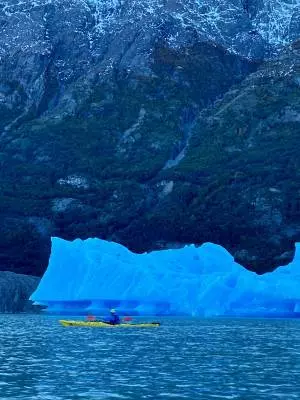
(109, 126)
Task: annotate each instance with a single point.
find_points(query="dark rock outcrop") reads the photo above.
(15, 290)
(109, 127)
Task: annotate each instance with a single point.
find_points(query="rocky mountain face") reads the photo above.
(151, 123)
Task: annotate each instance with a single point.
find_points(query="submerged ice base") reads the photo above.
(94, 275)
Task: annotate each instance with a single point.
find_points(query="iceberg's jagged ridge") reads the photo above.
(93, 275)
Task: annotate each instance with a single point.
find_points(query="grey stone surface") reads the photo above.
(15, 290)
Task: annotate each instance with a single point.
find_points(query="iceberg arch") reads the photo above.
(90, 276)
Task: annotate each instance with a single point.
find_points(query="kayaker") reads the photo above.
(114, 319)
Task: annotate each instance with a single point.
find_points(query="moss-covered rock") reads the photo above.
(243, 164)
(93, 172)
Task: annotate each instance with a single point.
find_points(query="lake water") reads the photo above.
(184, 359)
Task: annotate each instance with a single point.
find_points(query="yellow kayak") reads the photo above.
(98, 324)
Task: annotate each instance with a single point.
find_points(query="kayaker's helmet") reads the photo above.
(112, 311)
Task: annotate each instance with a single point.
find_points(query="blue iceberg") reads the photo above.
(93, 275)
